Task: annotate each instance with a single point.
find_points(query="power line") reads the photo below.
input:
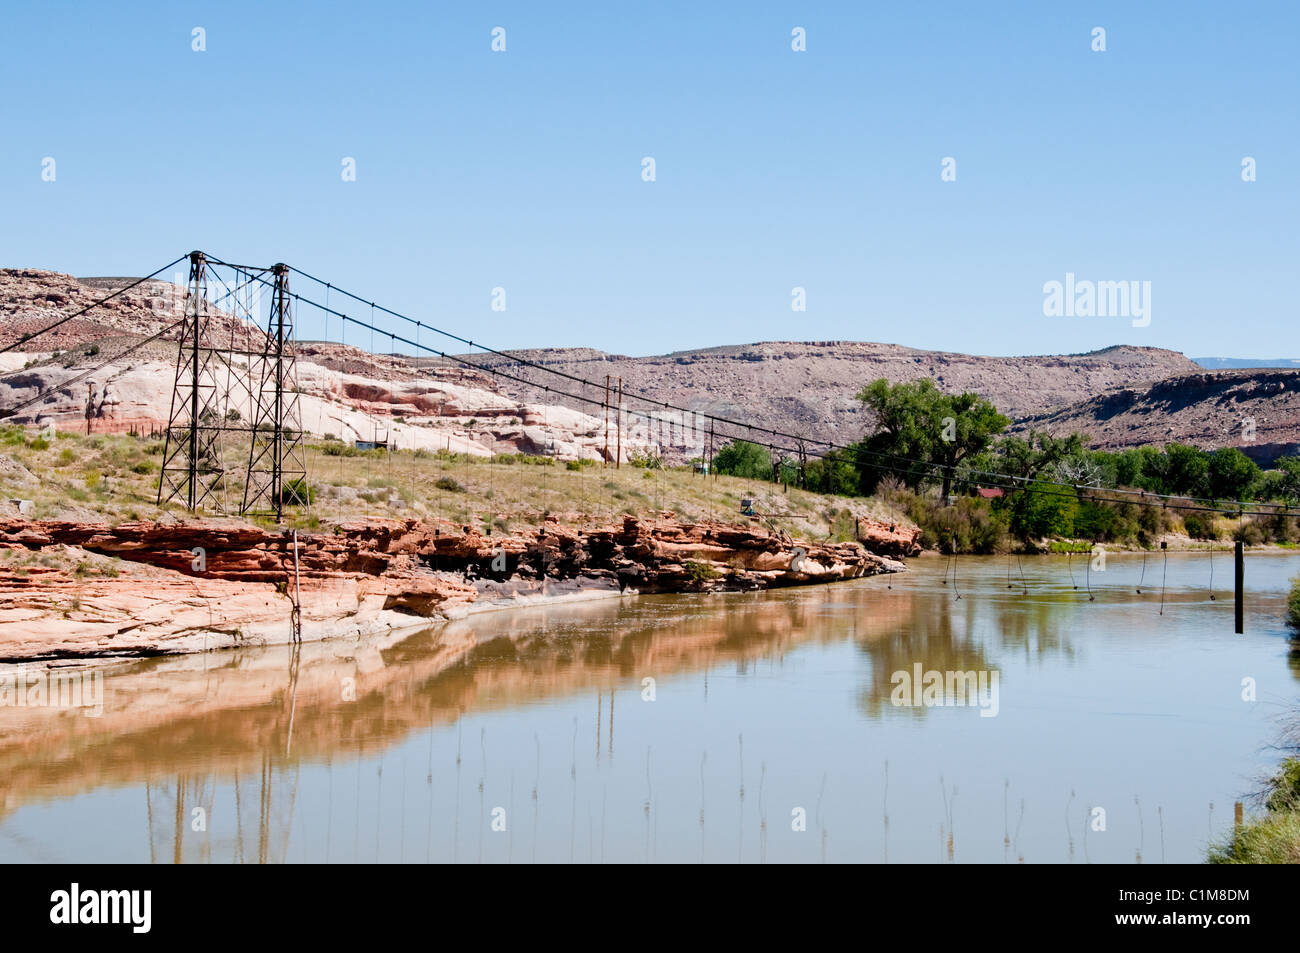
(11, 411)
(62, 385)
(64, 320)
(1003, 481)
(750, 428)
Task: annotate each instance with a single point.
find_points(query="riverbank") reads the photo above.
(84, 590)
(1274, 837)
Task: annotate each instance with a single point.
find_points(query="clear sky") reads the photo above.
(774, 169)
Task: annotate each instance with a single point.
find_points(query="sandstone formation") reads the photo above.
(183, 587)
(345, 392)
(435, 403)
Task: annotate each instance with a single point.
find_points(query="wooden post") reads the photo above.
(712, 473)
(1239, 608)
(606, 420)
(618, 418)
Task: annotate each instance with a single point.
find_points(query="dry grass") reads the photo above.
(115, 478)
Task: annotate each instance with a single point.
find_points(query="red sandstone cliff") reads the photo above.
(153, 588)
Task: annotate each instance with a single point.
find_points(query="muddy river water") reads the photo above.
(783, 726)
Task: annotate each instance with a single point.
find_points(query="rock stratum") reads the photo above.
(1256, 411)
(483, 404)
(156, 588)
(809, 387)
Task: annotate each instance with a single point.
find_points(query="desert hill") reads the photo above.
(1121, 396)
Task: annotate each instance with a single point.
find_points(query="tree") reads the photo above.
(1042, 509)
(744, 459)
(833, 473)
(1186, 470)
(919, 429)
(1289, 484)
(902, 439)
(1027, 458)
(967, 426)
(1231, 474)
(1137, 467)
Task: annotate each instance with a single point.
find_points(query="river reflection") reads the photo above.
(684, 728)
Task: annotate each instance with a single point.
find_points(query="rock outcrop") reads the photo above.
(70, 589)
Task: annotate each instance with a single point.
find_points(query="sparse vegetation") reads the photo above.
(1273, 838)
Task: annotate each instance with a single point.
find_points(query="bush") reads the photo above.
(450, 484)
(968, 526)
(700, 572)
(1249, 532)
(1293, 605)
(296, 492)
(1274, 838)
(646, 460)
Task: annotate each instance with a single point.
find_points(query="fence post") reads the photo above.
(1239, 561)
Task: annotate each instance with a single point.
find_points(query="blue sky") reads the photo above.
(775, 169)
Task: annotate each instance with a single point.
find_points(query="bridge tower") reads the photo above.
(192, 469)
(277, 469)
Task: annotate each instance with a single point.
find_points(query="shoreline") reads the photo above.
(73, 592)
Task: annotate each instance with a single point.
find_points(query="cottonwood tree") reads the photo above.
(918, 430)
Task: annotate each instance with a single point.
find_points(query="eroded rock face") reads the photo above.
(208, 584)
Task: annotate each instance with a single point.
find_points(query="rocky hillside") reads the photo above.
(1256, 411)
(345, 392)
(1122, 396)
(809, 387)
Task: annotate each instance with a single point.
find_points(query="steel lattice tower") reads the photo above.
(277, 470)
(192, 470)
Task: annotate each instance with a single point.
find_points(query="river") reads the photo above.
(736, 727)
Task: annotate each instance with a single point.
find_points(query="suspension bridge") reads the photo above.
(255, 366)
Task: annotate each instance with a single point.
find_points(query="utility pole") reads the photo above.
(712, 473)
(607, 420)
(618, 463)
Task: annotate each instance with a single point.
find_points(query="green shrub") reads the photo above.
(1293, 605)
(339, 449)
(296, 492)
(1274, 838)
(700, 572)
(450, 484)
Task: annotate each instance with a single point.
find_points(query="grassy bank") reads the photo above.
(114, 478)
(1031, 523)
(1274, 837)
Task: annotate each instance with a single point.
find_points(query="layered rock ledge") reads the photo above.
(84, 590)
